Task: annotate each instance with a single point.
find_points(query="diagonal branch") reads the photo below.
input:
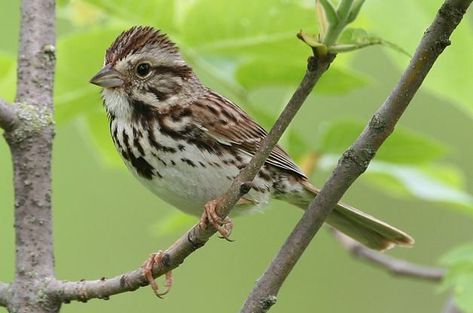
(197, 236)
(4, 294)
(8, 117)
(394, 266)
(356, 159)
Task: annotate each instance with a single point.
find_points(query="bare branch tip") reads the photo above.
(394, 266)
(8, 116)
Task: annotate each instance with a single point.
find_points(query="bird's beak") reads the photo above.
(107, 77)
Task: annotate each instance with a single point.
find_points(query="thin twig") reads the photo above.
(450, 306)
(394, 266)
(197, 236)
(8, 117)
(4, 294)
(356, 159)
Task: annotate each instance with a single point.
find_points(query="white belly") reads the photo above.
(189, 177)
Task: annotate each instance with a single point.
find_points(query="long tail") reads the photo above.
(360, 226)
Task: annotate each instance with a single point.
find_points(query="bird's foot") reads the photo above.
(157, 259)
(210, 216)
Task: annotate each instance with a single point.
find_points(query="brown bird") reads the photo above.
(186, 143)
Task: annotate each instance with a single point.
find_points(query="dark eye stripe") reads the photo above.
(161, 96)
(181, 71)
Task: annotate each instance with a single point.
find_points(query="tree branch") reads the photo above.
(356, 159)
(8, 117)
(393, 265)
(31, 145)
(4, 294)
(197, 236)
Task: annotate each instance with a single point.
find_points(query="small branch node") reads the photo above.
(360, 158)
(377, 123)
(193, 239)
(245, 188)
(268, 302)
(8, 116)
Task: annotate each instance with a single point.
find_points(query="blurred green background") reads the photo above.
(106, 223)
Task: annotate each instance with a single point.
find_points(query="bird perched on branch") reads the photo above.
(186, 143)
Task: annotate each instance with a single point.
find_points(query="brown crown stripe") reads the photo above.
(134, 40)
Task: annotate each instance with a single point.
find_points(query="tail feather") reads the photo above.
(360, 226)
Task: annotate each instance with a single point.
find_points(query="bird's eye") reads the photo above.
(143, 69)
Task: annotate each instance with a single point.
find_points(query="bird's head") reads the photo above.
(142, 66)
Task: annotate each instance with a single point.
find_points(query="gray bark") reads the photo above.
(30, 140)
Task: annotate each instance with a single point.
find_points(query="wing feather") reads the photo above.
(235, 127)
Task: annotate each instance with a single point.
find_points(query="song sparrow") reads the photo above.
(186, 143)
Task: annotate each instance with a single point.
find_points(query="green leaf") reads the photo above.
(419, 183)
(80, 13)
(409, 180)
(463, 292)
(74, 94)
(448, 177)
(261, 72)
(151, 12)
(312, 41)
(403, 146)
(355, 10)
(460, 275)
(296, 146)
(62, 3)
(357, 38)
(344, 8)
(458, 255)
(451, 77)
(247, 27)
(328, 11)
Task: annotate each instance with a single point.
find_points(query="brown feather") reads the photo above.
(134, 40)
(236, 127)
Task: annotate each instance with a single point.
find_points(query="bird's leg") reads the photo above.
(157, 258)
(210, 216)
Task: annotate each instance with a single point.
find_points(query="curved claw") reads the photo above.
(210, 216)
(156, 258)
